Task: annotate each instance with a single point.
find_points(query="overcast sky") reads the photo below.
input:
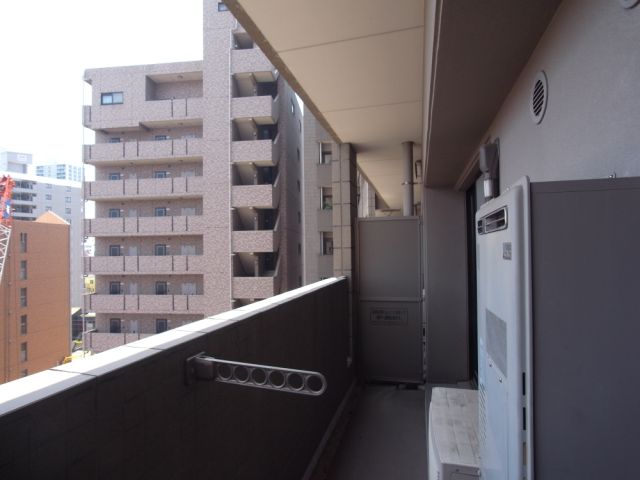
(46, 45)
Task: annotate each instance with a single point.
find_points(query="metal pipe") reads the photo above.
(407, 179)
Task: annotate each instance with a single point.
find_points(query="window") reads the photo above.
(23, 297)
(299, 218)
(115, 139)
(114, 176)
(23, 269)
(133, 288)
(115, 213)
(48, 208)
(187, 250)
(48, 196)
(299, 249)
(23, 242)
(298, 154)
(160, 174)
(67, 199)
(325, 153)
(115, 250)
(188, 288)
(299, 126)
(161, 325)
(68, 189)
(115, 288)
(161, 137)
(161, 211)
(162, 288)
(49, 185)
(326, 198)
(67, 210)
(23, 324)
(161, 250)
(23, 352)
(185, 211)
(222, 7)
(111, 98)
(298, 185)
(115, 325)
(326, 243)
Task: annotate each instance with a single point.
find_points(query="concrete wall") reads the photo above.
(127, 413)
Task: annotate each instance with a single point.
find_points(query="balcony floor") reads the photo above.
(386, 437)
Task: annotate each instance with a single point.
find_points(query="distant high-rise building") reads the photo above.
(34, 293)
(61, 171)
(33, 196)
(197, 185)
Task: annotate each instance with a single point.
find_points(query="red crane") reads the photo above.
(6, 187)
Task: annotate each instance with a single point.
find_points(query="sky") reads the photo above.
(46, 45)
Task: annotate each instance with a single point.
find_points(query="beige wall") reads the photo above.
(47, 310)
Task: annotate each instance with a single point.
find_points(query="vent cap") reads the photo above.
(538, 97)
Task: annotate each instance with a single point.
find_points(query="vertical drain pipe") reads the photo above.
(407, 179)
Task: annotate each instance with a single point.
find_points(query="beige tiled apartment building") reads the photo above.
(34, 297)
(197, 184)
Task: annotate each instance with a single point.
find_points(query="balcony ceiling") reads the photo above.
(357, 65)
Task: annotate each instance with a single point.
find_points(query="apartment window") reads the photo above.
(111, 98)
(67, 210)
(160, 174)
(326, 243)
(161, 211)
(68, 189)
(48, 196)
(114, 176)
(188, 288)
(162, 288)
(133, 288)
(23, 352)
(115, 288)
(298, 185)
(23, 324)
(23, 297)
(222, 7)
(299, 126)
(298, 154)
(325, 153)
(299, 218)
(48, 185)
(115, 213)
(115, 140)
(48, 208)
(115, 250)
(299, 249)
(186, 211)
(23, 242)
(161, 137)
(115, 325)
(187, 249)
(67, 199)
(23, 269)
(161, 325)
(326, 198)
(161, 250)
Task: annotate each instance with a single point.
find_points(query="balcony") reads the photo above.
(251, 61)
(255, 241)
(148, 114)
(263, 108)
(128, 412)
(258, 196)
(264, 153)
(141, 226)
(142, 264)
(151, 151)
(145, 188)
(159, 304)
(254, 287)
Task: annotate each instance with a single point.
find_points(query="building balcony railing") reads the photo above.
(144, 264)
(150, 113)
(130, 412)
(258, 196)
(174, 225)
(254, 287)
(249, 61)
(144, 188)
(263, 107)
(260, 152)
(255, 241)
(124, 153)
(160, 304)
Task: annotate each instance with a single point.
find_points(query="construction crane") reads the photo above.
(6, 187)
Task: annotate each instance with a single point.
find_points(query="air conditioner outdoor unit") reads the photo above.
(453, 434)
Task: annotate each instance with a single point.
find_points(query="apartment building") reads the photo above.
(197, 184)
(61, 171)
(34, 297)
(34, 195)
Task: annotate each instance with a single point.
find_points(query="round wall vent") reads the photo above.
(539, 94)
